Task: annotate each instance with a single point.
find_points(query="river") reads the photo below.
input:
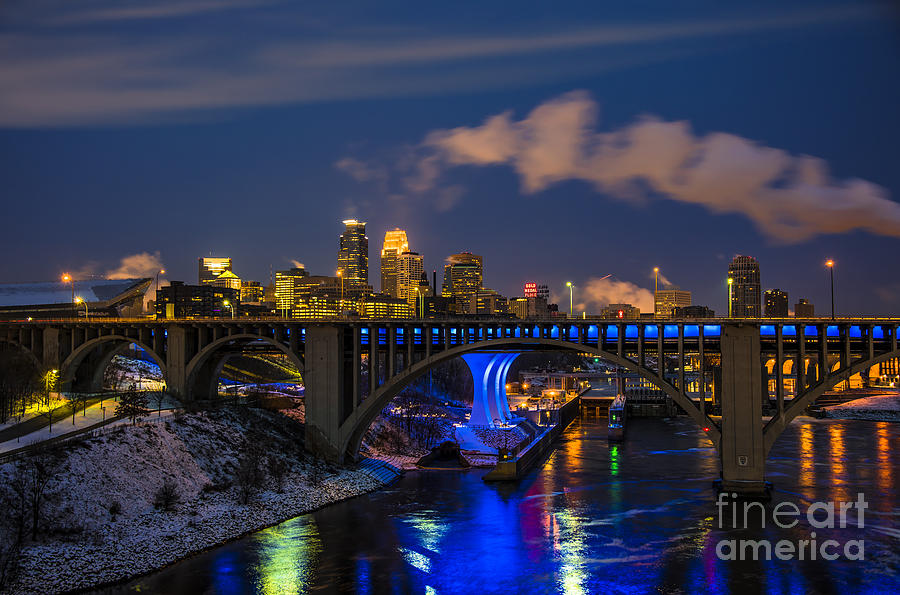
(595, 518)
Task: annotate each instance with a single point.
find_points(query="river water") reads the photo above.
(595, 518)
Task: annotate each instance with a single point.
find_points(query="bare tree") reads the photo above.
(31, 480)
(250, 473)
(132, 405)
(278, 468)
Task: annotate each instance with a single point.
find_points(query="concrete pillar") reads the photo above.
(742, 447)
(489, 372)
(176, 361)
(324, 380)
(51, 356)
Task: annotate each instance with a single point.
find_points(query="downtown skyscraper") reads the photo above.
(395, 244)
(353, 257)
(745, 287)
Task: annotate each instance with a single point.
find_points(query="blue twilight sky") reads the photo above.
(562, 141)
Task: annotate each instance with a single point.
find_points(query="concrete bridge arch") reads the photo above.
(354, 427)
(83, 369)
(202, 372)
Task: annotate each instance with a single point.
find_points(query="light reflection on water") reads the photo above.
(598, 517)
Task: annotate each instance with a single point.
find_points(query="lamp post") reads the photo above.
(571, 288)
(830, 264)
(656, 279)
(158, 273)
(730, 283)
(67, 278)
(79, 300)
(227, 303)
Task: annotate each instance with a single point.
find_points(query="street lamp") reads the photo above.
(67, 278)
(571, 288)
(158, 273)
(656, 279)
(80, 300)
(830, 265)
(730, 283)
(227, 303)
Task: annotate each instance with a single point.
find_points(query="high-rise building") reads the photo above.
(745, 287)
(287, 289)
(227, 279)
(776, 303)
(252, 292)
(529, 307)
(409, 277)
(803, 309)
(353, 257)
(666, 300)
(395, 244)
(178, 300)
(211, 267)
(463, 276)
(489, 302)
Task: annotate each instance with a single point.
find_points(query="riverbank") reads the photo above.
(102, 525)
(874, 408)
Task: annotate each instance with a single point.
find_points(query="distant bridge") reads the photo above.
(352, 369)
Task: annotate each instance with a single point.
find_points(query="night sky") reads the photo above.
(562, 141)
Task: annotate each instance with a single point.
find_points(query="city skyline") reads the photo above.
(258, 176)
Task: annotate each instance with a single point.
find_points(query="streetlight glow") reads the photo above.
(571, 289)
(730, 283)
(830, 264)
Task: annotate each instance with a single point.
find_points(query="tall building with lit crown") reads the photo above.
(227, 279)
(745, 287)
(666, 300)
(211, 267)
(395, 244)
(776, 303)
(463, 275)
(409, 276)
(353, 256)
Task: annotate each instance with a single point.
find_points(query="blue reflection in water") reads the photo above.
(634, 517)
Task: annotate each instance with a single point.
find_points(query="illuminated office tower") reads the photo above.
(463, 276)
(288, 289)
(252, 292)
(212, 267)
(666, 300)
(776, 303)
(227, 279)
(395, 244)
(745, 287)
(409, 277)
(353, 257)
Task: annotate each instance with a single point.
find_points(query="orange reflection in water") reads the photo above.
(885, 466)
(838, 460)
(807, 457)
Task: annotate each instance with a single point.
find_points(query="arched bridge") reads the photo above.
(352, 369)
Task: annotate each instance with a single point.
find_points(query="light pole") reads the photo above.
(67, 278)
(730, 283)
(79, 300)
(656, 279)
(340, 273)
(571, 288)
(227, 303)
(158, 273)
(830, 265)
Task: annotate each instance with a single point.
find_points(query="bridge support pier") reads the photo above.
(489, 372)
(176, 361)
(742, 445)
(323, 382)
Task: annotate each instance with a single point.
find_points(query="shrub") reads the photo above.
(166, 497)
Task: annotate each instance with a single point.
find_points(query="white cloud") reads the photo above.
(599, 292)
(143, 264)
(789, 198)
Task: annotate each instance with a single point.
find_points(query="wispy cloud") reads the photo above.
(80, 67)
(134, 266)
(790, 198)
(598, 292)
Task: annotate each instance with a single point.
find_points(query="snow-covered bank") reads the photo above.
(83, 544)
(877, 407)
